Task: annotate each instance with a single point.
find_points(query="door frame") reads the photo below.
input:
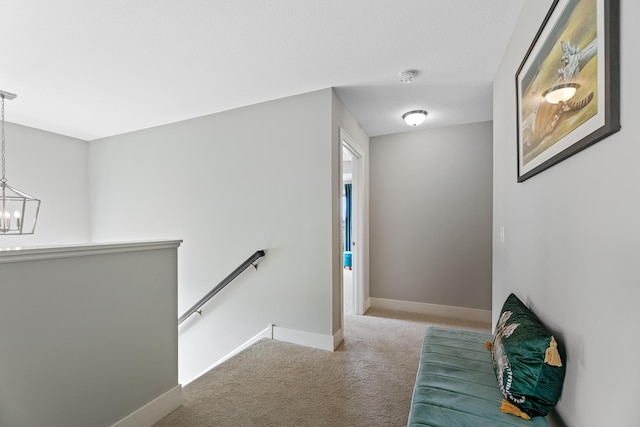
(357, 218)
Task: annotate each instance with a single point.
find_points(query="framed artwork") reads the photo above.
(568, 85)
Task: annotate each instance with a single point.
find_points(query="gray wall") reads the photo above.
(228, 184)
(431, 216)
(88, 336)
(572, 240)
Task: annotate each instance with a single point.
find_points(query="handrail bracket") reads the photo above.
(252, 260)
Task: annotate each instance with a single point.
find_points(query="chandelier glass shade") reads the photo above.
(18, 210)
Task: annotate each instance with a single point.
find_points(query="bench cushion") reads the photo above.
(456, 385)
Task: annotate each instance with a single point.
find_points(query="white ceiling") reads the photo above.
(95, 68)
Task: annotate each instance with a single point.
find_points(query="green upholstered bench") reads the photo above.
(456, 385)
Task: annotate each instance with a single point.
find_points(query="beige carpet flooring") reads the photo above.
(367, 381)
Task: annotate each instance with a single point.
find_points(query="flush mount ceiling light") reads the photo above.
(560, 93)
(415, 117)
(406, 76)
(18, 210)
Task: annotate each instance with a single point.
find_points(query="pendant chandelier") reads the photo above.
(18, 210)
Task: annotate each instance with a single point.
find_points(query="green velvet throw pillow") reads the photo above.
(528, 361)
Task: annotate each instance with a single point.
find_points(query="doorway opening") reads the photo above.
(347, 231)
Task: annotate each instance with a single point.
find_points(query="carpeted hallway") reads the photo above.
(367, 381)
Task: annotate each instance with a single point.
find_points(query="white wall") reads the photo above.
(229, 184)
(431, 216)
(572, 234)
(52, 168)
(88, 333)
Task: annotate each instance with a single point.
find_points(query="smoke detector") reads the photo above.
(406, 76)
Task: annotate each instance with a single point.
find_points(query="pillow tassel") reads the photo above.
(488, 345)
(551, 356)
(510, 408)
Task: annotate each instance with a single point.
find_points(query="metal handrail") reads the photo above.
(235, 273)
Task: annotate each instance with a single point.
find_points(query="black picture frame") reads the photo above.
(577, 46)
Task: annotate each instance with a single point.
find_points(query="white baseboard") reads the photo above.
(367, 304)
(308, 339)
(338, 337)
(294, 336)
(154, 411)
(265, 333)
(446, 311)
